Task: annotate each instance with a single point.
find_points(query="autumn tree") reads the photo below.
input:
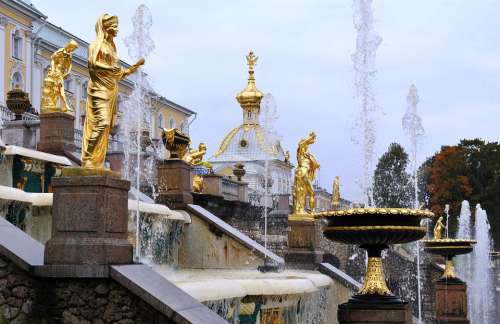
(392, 184)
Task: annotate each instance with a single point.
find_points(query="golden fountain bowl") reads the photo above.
(374, 226)
(448, 247)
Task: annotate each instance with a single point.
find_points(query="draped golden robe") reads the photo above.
(102, 94)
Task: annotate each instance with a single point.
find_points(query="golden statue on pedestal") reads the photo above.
(53, 84)
(304, 177)
(195, 157)
(336, 193)
(102, 92)
(438, 229)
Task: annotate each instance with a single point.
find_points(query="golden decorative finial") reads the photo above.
(304, 177)
(249, 99)
(105, 72)
(336, 193)
(438, 229)
(53, 84)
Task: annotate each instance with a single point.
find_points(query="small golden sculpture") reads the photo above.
(438, 229)
(53, 84)
(102, 92)
(336, 193)
(197, 183)
(304, 177)
(195, 157)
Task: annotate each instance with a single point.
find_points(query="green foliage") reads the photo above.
(392, 184)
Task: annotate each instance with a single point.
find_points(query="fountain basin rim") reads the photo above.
(375, 228)
(375, 211)
(448, 240)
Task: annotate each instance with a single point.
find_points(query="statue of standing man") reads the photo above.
(305, 173)
(102, 92)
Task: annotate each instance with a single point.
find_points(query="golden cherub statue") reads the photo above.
(195, 157)
(438, 229)
(102, 92)
(336, 193)
(304, 177)
(53, 84)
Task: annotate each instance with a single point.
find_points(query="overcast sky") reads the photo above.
(448, 48)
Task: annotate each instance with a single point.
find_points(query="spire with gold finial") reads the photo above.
(250, 97)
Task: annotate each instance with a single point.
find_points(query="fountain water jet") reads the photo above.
(482, 284)
(367, 42)
(464, 231)
(412, 125)
(137, 112)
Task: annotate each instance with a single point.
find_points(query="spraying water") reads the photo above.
(481, 285)
(367, 42)
(137, 113)
(463, 262)
(412, 125)
(268, 116)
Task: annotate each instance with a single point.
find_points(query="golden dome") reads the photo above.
(250, 97)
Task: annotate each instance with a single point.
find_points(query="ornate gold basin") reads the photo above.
(449, 248)
(374, 229)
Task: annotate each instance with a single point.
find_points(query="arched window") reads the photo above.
(171, 123)
(160, 120)
(17, 80)
(84, 90)
(183, 128)
(17, 45)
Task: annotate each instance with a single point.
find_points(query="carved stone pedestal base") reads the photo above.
(303, 245)
(374, 313)
(174, 183)
(89, 225)
(57, 133)
(451, 302)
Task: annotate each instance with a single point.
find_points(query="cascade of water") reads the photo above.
(463, 262)
(268, 116)
(481, 285)
(412, 125)
(136, 115)
(367, 42)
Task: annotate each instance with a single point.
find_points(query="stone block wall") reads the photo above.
(26, 299)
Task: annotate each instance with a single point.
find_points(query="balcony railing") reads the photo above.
(6, 115)
(230, 189)
(78, 137)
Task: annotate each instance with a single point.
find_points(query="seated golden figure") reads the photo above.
(305, 173)
(53, 84)
(102, 92)
(195, 157)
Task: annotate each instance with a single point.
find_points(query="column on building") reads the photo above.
(37, 77)
(3, 45)
(78, 98)
(28, 59)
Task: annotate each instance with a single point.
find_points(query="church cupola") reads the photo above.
(249, 98)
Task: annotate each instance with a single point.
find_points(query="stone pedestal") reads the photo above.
(451, 302)
(212, 185)
(303, 245)
(374, 313)
(21, 133)
(174, 183)
(57, 133)
(116, 160)
(89, 225)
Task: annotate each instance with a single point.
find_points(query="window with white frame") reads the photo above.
(160, 121)
(171, 123)
(84, 90)
(183, 128)
(17, 81)
(17, 45)
(67, 84)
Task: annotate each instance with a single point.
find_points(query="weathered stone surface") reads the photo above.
(57, 133)
(174, 183)
(351, 313)
(89, 221)
(451, 302)
(303, 245)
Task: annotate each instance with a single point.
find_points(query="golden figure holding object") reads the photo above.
(102, 92)
(53, 84)
(195, 157)
(305, 173)
(438, 229)
(336, 193)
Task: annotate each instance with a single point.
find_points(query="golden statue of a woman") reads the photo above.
(304, 177)
(438, 229)
(102, 92)
(336, 193)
